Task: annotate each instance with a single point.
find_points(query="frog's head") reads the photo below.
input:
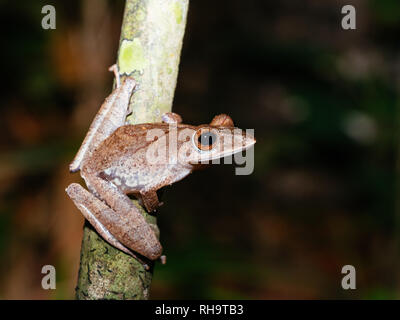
(216, 140)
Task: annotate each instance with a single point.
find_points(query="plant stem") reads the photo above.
(149, 51)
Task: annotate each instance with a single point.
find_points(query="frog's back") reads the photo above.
(126, 142)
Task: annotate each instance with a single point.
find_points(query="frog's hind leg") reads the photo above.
(112, 115)
(129, 225)
(91, 207)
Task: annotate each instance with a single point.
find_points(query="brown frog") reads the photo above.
(118, 159)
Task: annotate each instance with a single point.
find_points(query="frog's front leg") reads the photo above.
(127, 224)
(94, 210)
(147, 196)
(114, 69)
(150, 200)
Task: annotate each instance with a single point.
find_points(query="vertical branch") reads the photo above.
(149, 51)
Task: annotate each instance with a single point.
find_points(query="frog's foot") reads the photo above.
(150, 200)
(90, 206)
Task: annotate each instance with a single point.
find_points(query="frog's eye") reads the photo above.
(205, 139)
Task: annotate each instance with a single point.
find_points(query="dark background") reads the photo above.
(323, 102)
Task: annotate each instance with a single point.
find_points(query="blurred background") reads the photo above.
(324, 105)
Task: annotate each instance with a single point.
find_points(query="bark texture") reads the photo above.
(149, 51)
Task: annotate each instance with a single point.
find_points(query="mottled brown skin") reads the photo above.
(121, 159)
(114, 161)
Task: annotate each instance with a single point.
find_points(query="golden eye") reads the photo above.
(205, 139)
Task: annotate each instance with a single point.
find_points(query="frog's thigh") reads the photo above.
(128, 224)
(91, 208)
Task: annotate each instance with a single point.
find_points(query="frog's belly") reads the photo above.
(139, 179)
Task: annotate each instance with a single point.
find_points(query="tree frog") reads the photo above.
(117, 159)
